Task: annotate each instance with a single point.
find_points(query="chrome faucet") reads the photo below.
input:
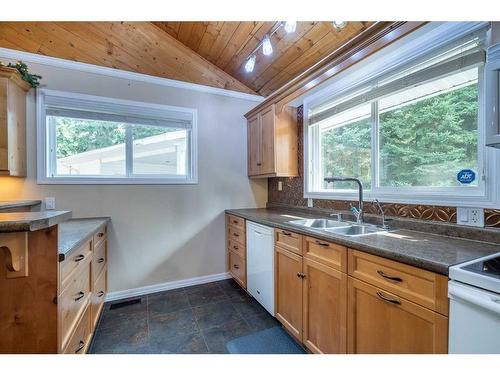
(359, 211)
(382, 213)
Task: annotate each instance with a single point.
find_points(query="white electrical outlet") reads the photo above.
(473, 217)
(50, 203)
(280, 185)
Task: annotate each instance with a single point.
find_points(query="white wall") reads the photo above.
(159, 233)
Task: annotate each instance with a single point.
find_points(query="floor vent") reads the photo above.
(119, 305)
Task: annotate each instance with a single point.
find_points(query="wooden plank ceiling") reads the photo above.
(208, 53)
(228, 44)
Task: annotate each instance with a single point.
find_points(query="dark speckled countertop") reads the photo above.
(31, 221)
(5, 205)
(74, 232)
(425, 250)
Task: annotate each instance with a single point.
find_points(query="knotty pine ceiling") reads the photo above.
(208, 53)
(228, 44)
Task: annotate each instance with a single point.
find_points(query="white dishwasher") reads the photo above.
(260, 264)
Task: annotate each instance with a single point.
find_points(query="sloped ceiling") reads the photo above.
(208, 53)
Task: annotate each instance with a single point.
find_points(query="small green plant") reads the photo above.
(22, 68)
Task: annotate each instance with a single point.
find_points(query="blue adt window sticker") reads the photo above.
(466, 176)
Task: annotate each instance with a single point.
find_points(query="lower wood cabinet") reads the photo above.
(338, 300)
(381, 322)
(311, 302)
(236, 249)
(288, 291)
(325, 309)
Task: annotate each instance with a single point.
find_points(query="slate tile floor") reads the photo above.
(197, 319)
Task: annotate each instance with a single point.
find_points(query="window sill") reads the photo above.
(424, 199)
(115, 181)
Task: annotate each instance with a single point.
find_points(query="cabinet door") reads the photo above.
(380, 322)
(267, 142)
(325, 308)
(254, 139)
(289, 291)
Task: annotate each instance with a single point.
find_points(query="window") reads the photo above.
(86, 139)
(405, 134)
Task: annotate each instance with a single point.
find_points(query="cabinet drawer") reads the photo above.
(417, 285)
(237, 248)
(75, 260)
(288, 240)
(236, 234)
(98, 296)
(80, 339)
(238, 268)
(236, 221)
(100, 236)
(380, 322)
(325, 252)
(99, 260)
(73, 300)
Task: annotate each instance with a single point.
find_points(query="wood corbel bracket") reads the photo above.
(15, 247)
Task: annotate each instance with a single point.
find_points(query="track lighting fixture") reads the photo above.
(250, 64)
(267, 47)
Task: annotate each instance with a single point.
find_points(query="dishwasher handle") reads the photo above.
(488, 302)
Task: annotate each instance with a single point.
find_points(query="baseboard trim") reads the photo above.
(113, 296)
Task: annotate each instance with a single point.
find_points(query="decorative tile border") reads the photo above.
(293, 194)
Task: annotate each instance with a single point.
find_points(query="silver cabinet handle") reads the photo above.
(324, 244)
(100, 260)
(236, 266)
(81, 346)
(387, 299)
(100, 294)
(80, 296)
(79, 258)
(392, 278)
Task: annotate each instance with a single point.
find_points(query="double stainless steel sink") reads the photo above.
(344, 228)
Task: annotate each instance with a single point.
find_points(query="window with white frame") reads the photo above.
(90, 139)
(407, 134)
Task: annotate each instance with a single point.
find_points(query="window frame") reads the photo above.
(484, 195)
(46, 140)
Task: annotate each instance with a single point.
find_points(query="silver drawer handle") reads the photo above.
(80, 296)
(387, 299)
(392, 278)
(324, 244)
(81, 346)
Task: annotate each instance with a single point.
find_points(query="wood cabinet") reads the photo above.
(382, 322)
(272, 143)
(325, 308)
(236, 249)
(311, 296)
(12, 122)
(55, 308)
(82, 290)
(288, 291)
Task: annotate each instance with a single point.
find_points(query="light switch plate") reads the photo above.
(50, 203)
(470, 216)
(280, 185)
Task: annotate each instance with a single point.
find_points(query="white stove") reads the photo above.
(474, 292)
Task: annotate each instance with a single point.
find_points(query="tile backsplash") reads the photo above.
(293, 194)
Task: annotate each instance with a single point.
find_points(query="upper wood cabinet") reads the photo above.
(272, 143)
(12, 123)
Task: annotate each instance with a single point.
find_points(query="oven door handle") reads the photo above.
(488, 301)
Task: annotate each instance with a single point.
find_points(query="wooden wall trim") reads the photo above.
(373, 39)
